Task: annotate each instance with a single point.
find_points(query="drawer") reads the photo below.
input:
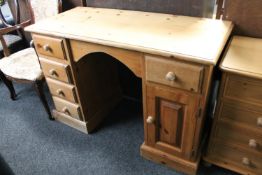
(56, 70)
(62, 90)
(174, 73)
(246, 114)
(237, 158)
(49, 46)
(67, 108)
(243, 89)
(238, 134)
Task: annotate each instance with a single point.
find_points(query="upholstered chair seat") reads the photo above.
(10, 40)
(22, 65)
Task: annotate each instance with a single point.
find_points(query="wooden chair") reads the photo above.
(23, 66)
(14, 41)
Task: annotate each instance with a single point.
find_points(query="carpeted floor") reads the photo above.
(30, 144)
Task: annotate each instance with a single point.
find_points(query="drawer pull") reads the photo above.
(60, 92)
(252, 143)
(66, 111)
(47, 48)
(259, 121)
(170, 76)
(246, 161)
(150, 120)
(53, 72)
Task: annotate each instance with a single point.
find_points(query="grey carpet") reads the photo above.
(30, 144)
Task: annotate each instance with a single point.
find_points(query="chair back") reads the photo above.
(42, 9)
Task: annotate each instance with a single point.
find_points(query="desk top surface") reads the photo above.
(244, 56)
(195, 39)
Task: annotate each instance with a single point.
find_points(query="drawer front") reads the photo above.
(238, 158)
(49, 46)
(62, 90)
(68, 108)
(243, 89)
(56, 70)
(243, 113)
(175, 74)
(240, 135)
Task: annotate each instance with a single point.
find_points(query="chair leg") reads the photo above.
(40, 92)
(9, 85)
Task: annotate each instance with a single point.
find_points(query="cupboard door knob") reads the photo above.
(246, 161)
(60, 92)
(252, 143)
(66, 111)
(47, 48)
(259, 121)
(52, 72)
(170, 76)
(150, 120)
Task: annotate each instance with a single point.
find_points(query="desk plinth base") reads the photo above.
(160, 157)
(74, 123)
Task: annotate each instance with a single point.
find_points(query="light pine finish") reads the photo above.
(129, 58)
(235, 141)
(72, 122)
(62, 90)
(56, 70)
(189, 38)
(175, 74)
(236, 111)
(161, 157)
(174, 56)
(236, 159)
(68, 108)
(244, 57)
(248, 88)
(47, 46)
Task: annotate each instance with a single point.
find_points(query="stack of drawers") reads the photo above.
(236, 139)
(57, 70)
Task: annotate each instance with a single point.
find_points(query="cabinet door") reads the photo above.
(170, 121)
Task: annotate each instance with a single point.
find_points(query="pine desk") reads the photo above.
(173, 55)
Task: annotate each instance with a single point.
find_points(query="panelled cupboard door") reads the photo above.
(170, 120)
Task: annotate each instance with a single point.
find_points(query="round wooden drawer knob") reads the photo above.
(150, 120)
(66, 111)
(170, 76)
(246, 161)
(259, 121)
(47, 48)
(60, 92)
(53, 72)
(252, 143)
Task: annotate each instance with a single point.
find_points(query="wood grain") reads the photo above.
(246, 16)
(62, 90)
(54, 45)
(187, 76)
(131, 59)
(189, 38)
(74, 123)
(61, 71)
(243, 56)
(68, 108)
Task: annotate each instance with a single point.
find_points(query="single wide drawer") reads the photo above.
(237, 158)
(49, 46)
(56, 70)
(67, 108)
(237, 134)
(174, 73)
(243, 89)
(244, 113)
(62, 90)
